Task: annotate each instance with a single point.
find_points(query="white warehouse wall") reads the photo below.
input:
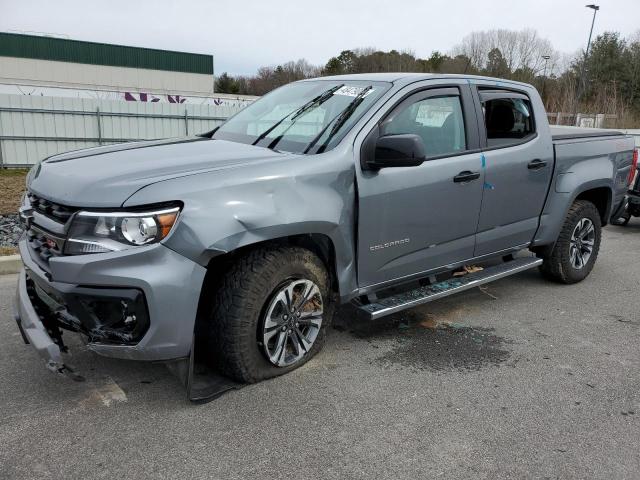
(26, 71)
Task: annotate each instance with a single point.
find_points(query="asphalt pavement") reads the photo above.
(523, 379)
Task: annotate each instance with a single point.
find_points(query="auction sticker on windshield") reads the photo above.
(352, 91)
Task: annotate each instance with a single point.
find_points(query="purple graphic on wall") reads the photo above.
(142, 97)
(176, 99)
(146, 97)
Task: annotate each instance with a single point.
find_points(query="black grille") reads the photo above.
(46, 239)
(44, 245)
(50, 209)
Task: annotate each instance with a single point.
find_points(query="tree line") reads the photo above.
(604, 80)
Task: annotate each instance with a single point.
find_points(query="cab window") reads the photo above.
(437, 120)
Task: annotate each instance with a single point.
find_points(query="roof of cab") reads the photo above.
(381, 77)
(410, 77)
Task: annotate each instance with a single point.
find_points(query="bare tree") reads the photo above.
(521, 50)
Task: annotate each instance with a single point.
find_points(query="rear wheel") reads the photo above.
(270, 313)
(576, 249)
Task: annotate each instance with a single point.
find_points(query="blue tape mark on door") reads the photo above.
(483, 160)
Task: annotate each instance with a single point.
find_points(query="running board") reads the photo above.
(428, 293)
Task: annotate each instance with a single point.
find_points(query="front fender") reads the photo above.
(224, 211)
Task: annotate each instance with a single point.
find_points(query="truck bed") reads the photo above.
(580, 152)
(569, 133)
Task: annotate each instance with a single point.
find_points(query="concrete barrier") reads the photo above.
(10, 264)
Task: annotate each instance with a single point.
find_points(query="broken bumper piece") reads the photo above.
(34, 332)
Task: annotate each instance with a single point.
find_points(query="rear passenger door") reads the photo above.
(518, 168)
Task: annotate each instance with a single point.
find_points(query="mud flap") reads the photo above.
(620, 212)
(202, 382)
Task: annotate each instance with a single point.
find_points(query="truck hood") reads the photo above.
(107, 176)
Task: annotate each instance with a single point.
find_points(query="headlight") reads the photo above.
(99, 232)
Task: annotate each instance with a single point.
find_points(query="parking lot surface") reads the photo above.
(523, 379)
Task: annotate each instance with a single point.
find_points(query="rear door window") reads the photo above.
(508, 118)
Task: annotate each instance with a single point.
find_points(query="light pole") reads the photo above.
(595, 9)
(583, 80)
(544, 75)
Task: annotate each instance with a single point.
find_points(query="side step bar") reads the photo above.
(401, 301)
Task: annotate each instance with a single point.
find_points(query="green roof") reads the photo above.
(76, 51)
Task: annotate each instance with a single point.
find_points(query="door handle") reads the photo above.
(466, 176)
(536, 164)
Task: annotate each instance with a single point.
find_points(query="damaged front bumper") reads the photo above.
(137, 304)
(109, 315)
(40, 318)
(161, 289)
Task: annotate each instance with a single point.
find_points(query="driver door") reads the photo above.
(416, 219)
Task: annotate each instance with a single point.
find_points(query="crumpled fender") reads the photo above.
(237, 207)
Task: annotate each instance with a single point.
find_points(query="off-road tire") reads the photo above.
(240, 299)
(556, 263)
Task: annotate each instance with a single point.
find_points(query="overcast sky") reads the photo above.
(245, 34)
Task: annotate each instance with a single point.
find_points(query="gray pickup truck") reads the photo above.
(370, 189)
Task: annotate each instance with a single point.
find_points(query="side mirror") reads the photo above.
(406, 150)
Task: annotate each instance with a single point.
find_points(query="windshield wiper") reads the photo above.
(338, 122)
(209, 134)
(323, 97)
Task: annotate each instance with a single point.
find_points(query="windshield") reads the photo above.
(304, 117)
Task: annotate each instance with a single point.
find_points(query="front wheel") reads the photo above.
(270, 313)
(576, 249)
